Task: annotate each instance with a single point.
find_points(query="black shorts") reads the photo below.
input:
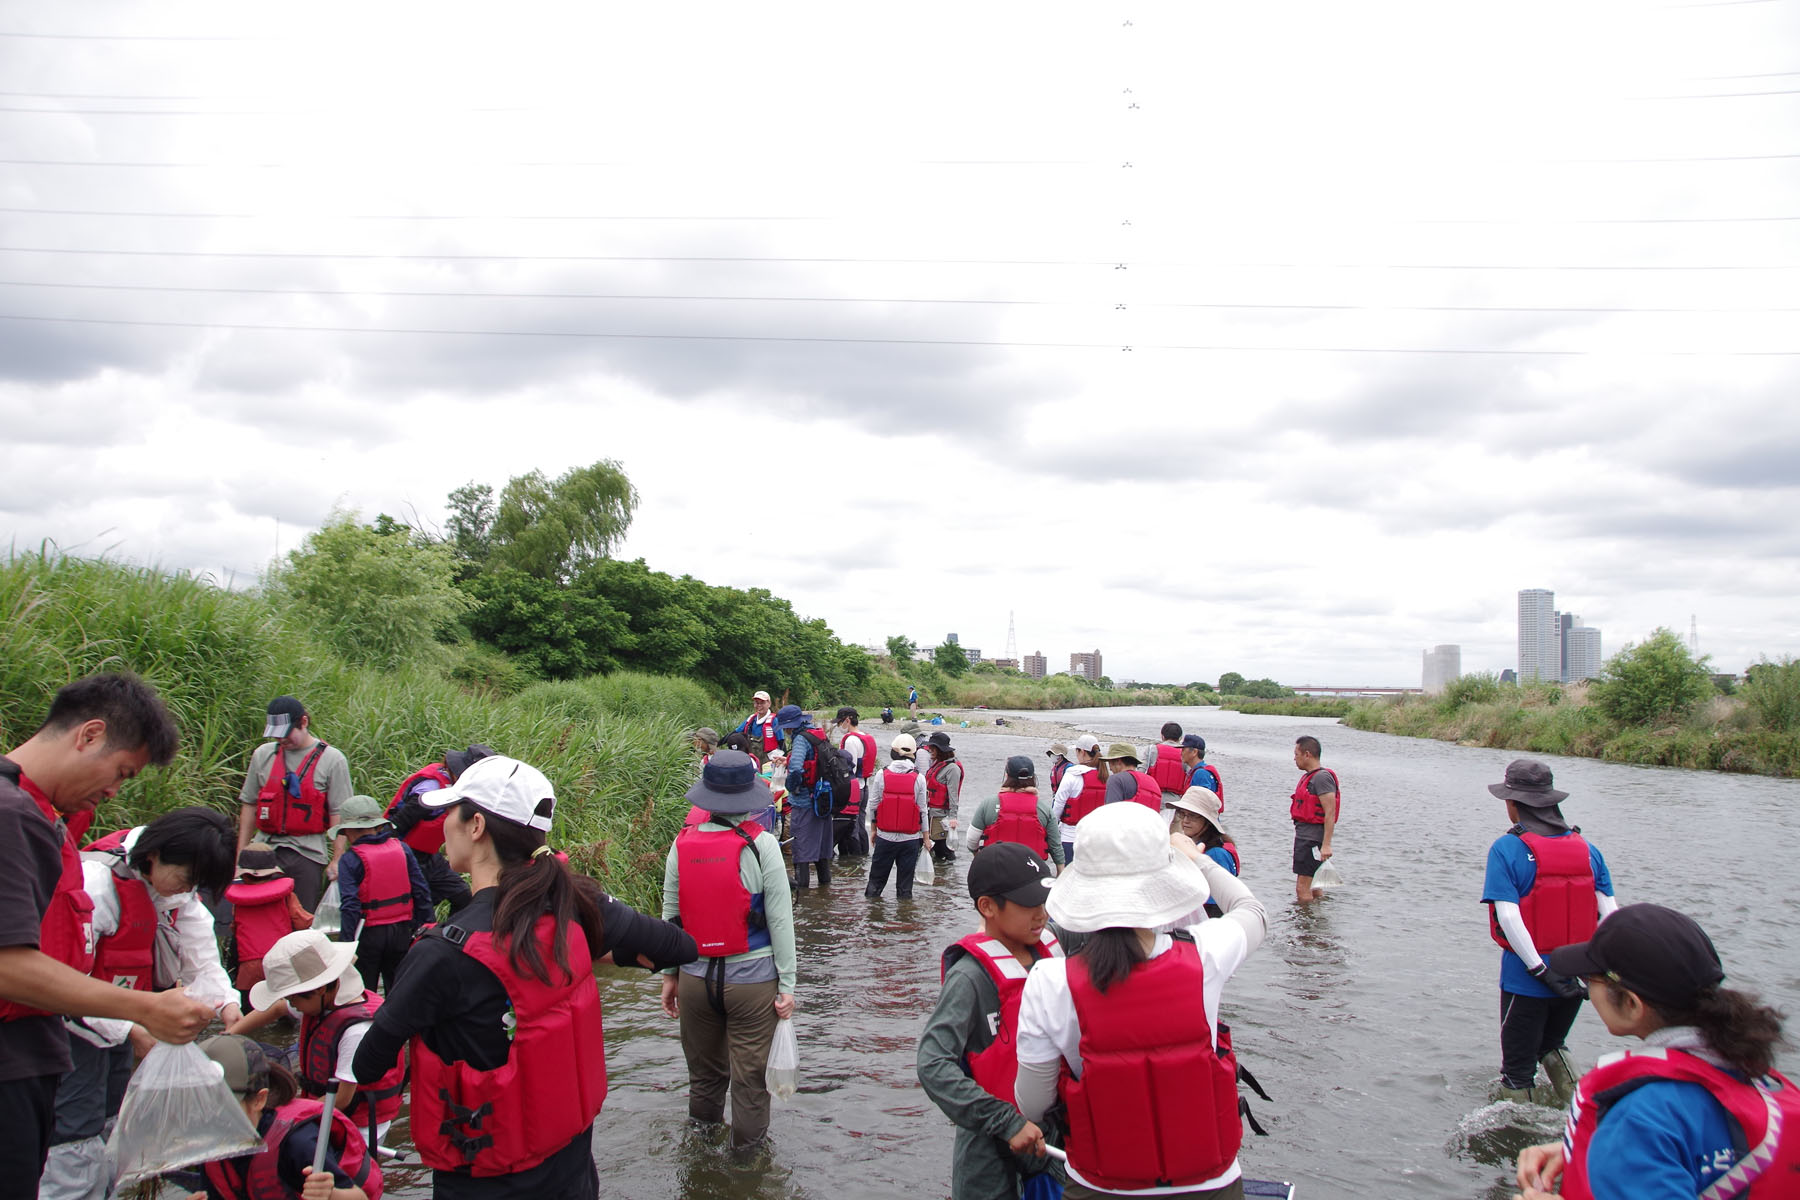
(1307, 838)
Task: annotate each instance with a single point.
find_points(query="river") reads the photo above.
(1371, 1017)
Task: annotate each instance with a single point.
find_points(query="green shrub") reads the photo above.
(1478, 688)
(1653, 681)
(1773, 694)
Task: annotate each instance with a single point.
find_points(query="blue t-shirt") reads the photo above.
(1511, 871)
(1222, 856)
(1668, 1140)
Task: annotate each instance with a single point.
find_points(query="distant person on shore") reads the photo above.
(1546, 887)
(887, 714)
(897, 818)
(1700, 1110)
(760, 725)
(850, 832)
(1124, 781)
(291, 795)
(810, 811)
(422, 829)
(1201, 773)
(912, 701)
(1314, 808)
(1059, 764)
(967, 1060)
(1082, 790)
(1163, 763)
(1018, 814)
(943, 786)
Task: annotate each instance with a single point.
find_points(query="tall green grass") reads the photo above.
(613, 746)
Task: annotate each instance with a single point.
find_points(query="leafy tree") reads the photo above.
(901, 649)
(376, 598)
(1773, 693)
(470, 526)
(950, 659)
(552, 631)
(1651, 681)
(1105, 681)
(1230, 683)
(1263, 689)
(552, 529)
(1200, 687)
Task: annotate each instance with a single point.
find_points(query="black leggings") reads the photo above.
(1531, 1027)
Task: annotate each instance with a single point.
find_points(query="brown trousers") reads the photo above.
(728, 1050)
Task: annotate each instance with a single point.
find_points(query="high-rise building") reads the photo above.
(1582, 645)
(974, 656)
(1036, 665)
(1540, 658)
(1443, 666)
(1086, 665)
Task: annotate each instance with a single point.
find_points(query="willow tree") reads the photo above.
(554, 528)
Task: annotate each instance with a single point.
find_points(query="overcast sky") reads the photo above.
(1286, 338)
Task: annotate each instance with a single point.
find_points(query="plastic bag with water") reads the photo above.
(783, 1071)
(328, 917)
(922, 870)
(177, 1112)
(1327, 875)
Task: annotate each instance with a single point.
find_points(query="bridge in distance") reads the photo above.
(1331, 689)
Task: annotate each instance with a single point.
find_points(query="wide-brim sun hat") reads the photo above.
(1528, 782)
(502, 787)
(1120, 750)
(358, 812)
(729, 783)
(1204, 802)
(257, 861)
(792, 716)
(1126, 874)
(302, 961)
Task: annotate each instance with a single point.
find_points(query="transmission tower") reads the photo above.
(1012, 638)
(1693, 633)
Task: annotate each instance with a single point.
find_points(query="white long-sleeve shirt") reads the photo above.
(198, 965)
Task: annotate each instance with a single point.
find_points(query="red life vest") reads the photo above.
(1166, 769)
(1217, 786)
(278, 812)
(259, 914)
(898, 811)
(1149, 792)
(127, 956)
(1560, 908)
(427, 837)
(1766, 1113)
(1304, 806)
(258, 1177)
(996, 1067)
(1237, 864)
(1156, 1104)
(385, 894)
(695, 816)
(717, 910)
(1056, 774)
(317, 1064)
(771, 733)
(1091, 796)
(66, 930)
(1017, 821)
(865, 767)
(937, 793)
(512, 1118)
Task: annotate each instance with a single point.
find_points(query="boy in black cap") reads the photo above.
(1545, 887)
(967, 1059)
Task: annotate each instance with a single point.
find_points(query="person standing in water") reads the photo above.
(1315, 807)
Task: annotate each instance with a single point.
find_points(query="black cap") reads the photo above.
(849, 712)
(1020, 766)
(457, 761)
(1010, 871)
(1662, 955)
(1193, 741)
(284, 713)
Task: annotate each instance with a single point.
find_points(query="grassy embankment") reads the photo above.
(613, 745)
(1756, 733)
(1294, 706)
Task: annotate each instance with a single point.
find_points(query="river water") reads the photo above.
(1371, 1017)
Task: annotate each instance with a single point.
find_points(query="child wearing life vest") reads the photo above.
(381, 890)
(966, 1059)
(312, 977)
(289, 1127)
(264, 909)
(1095, 1029)
(1017, 814)
(1700, 1110)
(725, 883)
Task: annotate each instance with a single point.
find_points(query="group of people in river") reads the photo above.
(1076, 1044)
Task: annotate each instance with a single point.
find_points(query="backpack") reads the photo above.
(831, 786)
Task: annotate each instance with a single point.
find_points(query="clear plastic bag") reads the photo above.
(1327, 875)
(328, 917)
(783, 1072)
(922, 870)
(177, 1112)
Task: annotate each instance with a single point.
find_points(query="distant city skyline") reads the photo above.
(1555, 647)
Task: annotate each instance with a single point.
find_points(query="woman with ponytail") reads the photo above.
(1701, 1110)
(500, 1003)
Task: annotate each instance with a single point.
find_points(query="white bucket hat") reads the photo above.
(1205, 802)
(304, 960)
(1125, 874)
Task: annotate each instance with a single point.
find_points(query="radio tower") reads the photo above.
(1012, 638)
(1693, 633)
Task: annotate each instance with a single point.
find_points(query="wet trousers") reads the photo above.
(728, 1051)
(898, 857)
(1531, 1027)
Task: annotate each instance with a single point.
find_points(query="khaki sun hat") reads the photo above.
(1120, 750)
(304, 960)
(1205, 802)
(358, 812)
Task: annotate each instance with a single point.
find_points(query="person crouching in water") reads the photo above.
(1019, 813)
(290, 1131)
(725, 883)
(966, 1059)
(1700, 1110)
(500, 1002)
(382, 891)
(1094, 1028)
(1197, 815)
(309, 976)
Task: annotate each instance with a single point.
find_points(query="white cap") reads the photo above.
(501, 787)
(759, 695)
(1088, 742)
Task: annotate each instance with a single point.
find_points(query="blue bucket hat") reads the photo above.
(729, 783)
(791, 717)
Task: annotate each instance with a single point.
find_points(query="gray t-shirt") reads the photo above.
(331, 776)
(1320, 783)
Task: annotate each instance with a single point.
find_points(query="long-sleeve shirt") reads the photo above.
(988, 811)
(764, 874)
(350, 877)
(197, 947)
(951, 776)
(1068, 789)
(964, 1023)
(877, 788)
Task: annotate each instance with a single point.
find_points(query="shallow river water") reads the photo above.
(1371, 1017)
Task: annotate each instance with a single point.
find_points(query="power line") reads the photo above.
(130, 37)
(610, 335)
(576, 164)
(759, 299)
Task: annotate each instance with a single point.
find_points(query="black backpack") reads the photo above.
(834, 772)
